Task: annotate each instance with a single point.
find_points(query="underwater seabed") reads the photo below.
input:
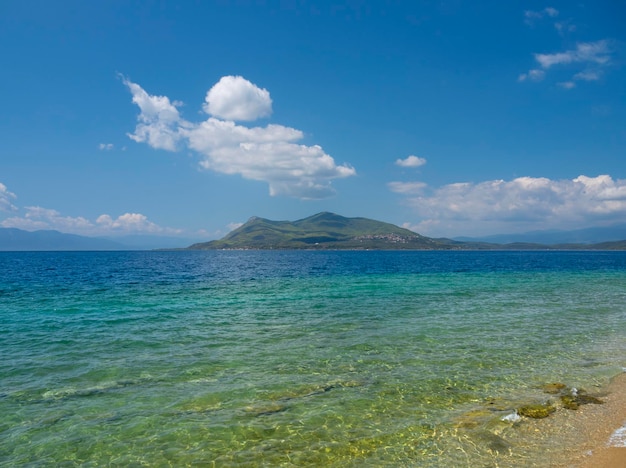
(337, 423)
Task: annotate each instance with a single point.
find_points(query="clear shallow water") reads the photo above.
(296, 358)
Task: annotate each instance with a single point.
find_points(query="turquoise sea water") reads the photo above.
(296, 358)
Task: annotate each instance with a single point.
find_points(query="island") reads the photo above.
(330, 231)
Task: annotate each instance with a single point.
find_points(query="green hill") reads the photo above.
(323, 231)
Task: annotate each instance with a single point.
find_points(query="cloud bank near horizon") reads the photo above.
(466, 208)
(38, 218)
(524, 203)
(269, 154)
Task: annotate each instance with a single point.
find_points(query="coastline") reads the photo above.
(604, 427)
(593, 436)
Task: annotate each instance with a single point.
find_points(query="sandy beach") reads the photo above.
(601, 444)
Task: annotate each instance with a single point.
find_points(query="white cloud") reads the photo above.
(595, 52)
(233, 226)
(37, 218)
(411, 161)
(567, 84)
(235, 98)
(588, 75)
(105, 146)
(6, 198)
(591, 55)
(407, 187)
(159, 120)
(524, 203)
(269, 154)
(131, 222)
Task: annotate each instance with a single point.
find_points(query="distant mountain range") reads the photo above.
(577, 236)
(321, 231)
(12, 239)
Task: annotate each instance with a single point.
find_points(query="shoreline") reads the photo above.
(605, 427)
(592, 436)
(595, 435)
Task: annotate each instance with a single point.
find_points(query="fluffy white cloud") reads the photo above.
(235, 98)
(6, 198)
(270, 154)
(159, 120)
(294, 170)
(132, 222)
(522, 203)
(37, 217)
(105, 146)
(411, 161)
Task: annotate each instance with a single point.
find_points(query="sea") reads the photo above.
(300, 358)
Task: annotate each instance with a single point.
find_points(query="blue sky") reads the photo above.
(187, 118)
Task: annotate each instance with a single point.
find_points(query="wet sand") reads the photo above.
(602, 444)
(579, 438)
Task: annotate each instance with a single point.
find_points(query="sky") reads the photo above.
(186, 118)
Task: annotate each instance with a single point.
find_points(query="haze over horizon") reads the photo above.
(185, 120)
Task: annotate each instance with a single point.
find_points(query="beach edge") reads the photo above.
(605, 429)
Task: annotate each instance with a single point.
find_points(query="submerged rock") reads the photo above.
(536, 411)
(554, 388)
(311, 390)
(573, 402)
(494, 442)
(474, 418)
(570, 398)
(569, 402)
(266, 409)
(586, 399)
